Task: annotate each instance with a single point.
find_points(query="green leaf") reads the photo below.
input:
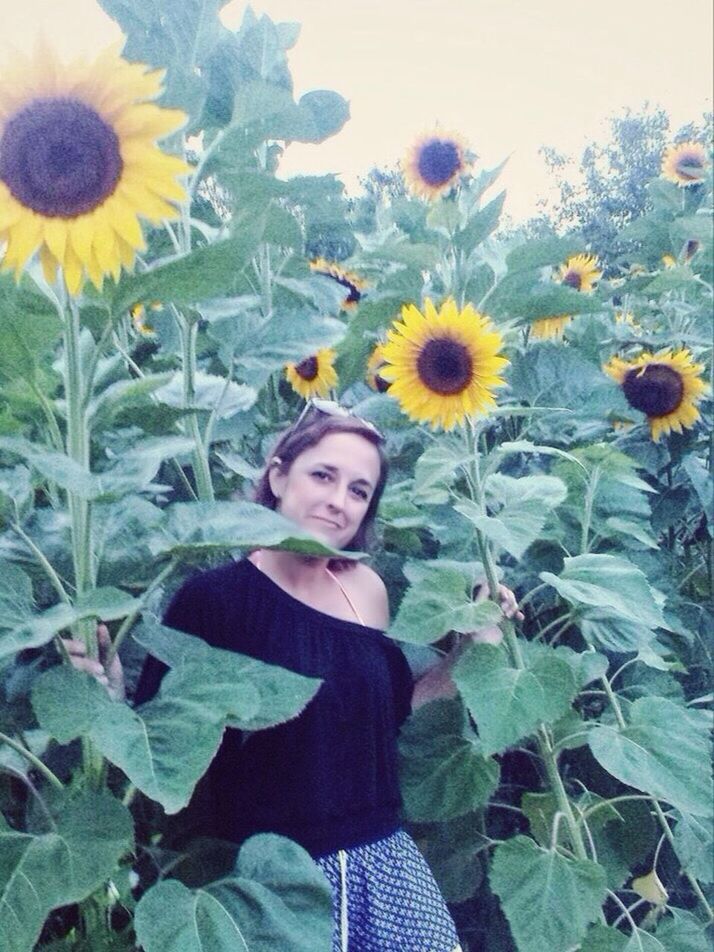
(276, 898)
(443, 772)
(549, 900)
(204, 273)
(439, 601)
(34, 630)
(54, 466)
(165, 746)
(520, 508)
(683, 932)
(672, 279)
(202, 528)
(435, 468)
(542, 253)
(480, 225)
(509, 703)
(694, 846)
(123, 395)
(15, 596)
(29, 330)
(660, 751)
(611, 633)
(77, 851)
(212, 394)
(610, 583)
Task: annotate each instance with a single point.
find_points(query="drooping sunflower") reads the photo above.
(434, 163)
(684, 164)
(313, 376)
(374, 365)
(353, 284)
(580, 272)
(546, 328)
(79, 164)
(666, 387)
(442, 365)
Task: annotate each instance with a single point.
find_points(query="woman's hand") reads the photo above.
(112, 677)
(492, 634)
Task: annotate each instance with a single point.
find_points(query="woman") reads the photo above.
(328, 778)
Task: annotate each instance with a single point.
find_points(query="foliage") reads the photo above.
(572, 755)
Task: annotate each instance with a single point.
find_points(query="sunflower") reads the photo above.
(580, 272)
(550, 327)
(628, 322)
(665, 387)
(142, 325)
(669, 261)
(684, 164)
(79, 164)
(351, 282)
(313, 376)
(434, 163)
(375, 363)
(442, 365)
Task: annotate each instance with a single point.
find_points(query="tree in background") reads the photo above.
(608, 190)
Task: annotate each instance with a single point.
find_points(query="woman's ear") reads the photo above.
(276, 477)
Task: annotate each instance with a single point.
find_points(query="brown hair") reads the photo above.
(307, 433)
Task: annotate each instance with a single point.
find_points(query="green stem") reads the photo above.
(131, 618)
(588, 514)
(32, 759)
(43, 561)
(550, 759)
(202, 471)
(54, 430)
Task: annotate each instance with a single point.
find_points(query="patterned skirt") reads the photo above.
(385, 899)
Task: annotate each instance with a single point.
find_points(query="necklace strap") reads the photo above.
(335, 579)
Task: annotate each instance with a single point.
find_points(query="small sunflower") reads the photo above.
(546, 328)
(313, 376)
(434, 163)
(669, 261)
(580, 272)
(665, 387)
(143, 326)
(684, 164)
(375, 363)
(79, 164)
(691, 247)
(442, 365)
(353, 284)
(627, 320)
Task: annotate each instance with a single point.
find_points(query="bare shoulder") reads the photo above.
(369, 593)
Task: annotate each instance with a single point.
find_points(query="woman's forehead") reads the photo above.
(346, 450)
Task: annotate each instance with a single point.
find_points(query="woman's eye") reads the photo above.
(360, 493)
(321, 474)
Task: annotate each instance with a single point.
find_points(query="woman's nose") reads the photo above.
(338, 496)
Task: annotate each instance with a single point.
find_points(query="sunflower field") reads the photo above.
(168, 302)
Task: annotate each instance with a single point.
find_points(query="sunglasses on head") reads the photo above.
(331, 408)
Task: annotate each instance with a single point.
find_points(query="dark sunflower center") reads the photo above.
(445, 366)
(381, 384)
(689, 165)
(657, 390)
(439, 159)
(573, 280)
(307, 368)
(59, 158)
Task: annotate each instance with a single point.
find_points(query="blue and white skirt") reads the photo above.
(385, 899)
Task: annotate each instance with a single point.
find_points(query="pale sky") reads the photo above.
(508, 75)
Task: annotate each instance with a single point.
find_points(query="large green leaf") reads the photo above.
(661, 752)
(480, 225)
(520, 508)
(438, 601)
(73, 855)
(509, 703)
(443, 771)
(29, 329)
(610, 583)
(694, 846)
(165, 746)
(435, 470)
(542, 252)
(549, 899)
(276, 898)
(200, 528)
(212, 394)
(54, 466)
(36, 629)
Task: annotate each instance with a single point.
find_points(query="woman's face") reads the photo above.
(328, 487)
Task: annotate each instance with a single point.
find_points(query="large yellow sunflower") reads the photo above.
(442, 365)
(580, 272)
(351, 282)
(684, 164)
(79, 164)
(434, 163)
(313, 376)
(665, 387)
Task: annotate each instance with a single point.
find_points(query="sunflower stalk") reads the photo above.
(546, 749)
(202, 471)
